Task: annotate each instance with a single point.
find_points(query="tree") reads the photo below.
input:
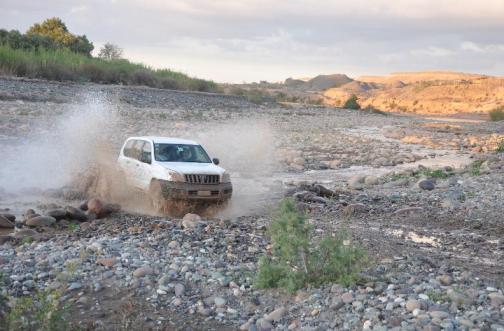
(352, 103)
(55, 29)
(110, 52)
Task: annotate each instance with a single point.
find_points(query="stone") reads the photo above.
(371, 180)
(76, 214)
(143, 271)
(106, 261)
(58, 214)
(25, 233)
(220, 301)
(190, 221)
(95, 206)
(74, 286)
(8, 216)
(427, 184)
(179, 289)
(445, 280)
(276, 315)
(353, 209)
(347, 297)
(263, 325)
(439, 314)
(408, 211)
(5, 223)
(5, 239)
(41, 221)
(356, 182)
(496, 299)
(413, 304)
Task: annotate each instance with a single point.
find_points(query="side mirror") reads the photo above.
(216, 161)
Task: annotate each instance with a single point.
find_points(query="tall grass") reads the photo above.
(64, 65)
(497, 114)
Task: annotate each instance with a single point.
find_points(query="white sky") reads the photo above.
(252, 40)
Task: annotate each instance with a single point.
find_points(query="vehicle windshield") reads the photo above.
(180, 153)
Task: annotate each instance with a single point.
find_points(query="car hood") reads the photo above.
(193, 168)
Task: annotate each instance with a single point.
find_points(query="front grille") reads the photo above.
(202, 179)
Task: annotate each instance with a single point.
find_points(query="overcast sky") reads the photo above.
(252, 40)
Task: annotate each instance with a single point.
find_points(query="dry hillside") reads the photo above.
(423, 92)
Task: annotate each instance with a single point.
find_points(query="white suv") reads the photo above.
(173, 169)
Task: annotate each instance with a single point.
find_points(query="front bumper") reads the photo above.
(196, 192)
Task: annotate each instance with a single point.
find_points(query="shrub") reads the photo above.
(42, 312)
(62, 64)
(297, 260)
(352, 103)
(500, 147)
(497, 114)
(475, 168)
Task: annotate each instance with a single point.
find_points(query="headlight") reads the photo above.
(226, 178)
(175, 176)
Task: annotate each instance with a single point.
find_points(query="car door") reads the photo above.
(135, 163)
(145, 166)
(126, 161)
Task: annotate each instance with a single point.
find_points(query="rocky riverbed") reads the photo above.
(427, 212)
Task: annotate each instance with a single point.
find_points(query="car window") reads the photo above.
(128, 149)
(146, 156)
(180, 153)
(137, 149)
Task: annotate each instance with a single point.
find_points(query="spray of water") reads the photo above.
(68, 146)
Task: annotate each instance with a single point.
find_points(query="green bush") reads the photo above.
(64, 65)
(42, 312)
(500, 147)
(497, 114)
(352, 103)
(299, 259)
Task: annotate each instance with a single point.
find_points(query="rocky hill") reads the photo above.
(423, 92)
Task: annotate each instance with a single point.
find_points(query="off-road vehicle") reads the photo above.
(173, 169)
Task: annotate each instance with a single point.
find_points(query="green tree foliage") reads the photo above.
(56, 30)
(110, 51)
(299, 259)
(352, 103)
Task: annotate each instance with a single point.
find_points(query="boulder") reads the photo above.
(4, 239)
(371, 180)
(25, 233)
(107, 261)
(41, 221)
(276, 315)
(427, 184)
(143, 271)
(10, 217)
(356, 182)
(29, 213)
(95, 206)
(58, 214)
(5, 223)
(76, 214)
(353, 209)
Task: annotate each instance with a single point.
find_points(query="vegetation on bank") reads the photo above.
(352, 103)
(299, 259)
(497, 114)
(49, 51)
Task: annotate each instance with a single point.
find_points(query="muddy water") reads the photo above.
(255, 192)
